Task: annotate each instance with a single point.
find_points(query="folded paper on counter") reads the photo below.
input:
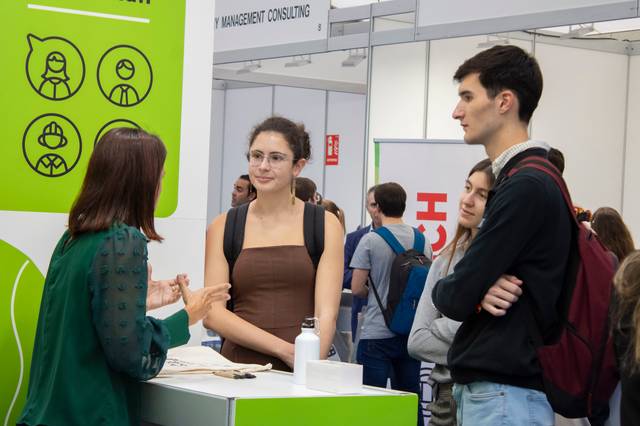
(203, 360)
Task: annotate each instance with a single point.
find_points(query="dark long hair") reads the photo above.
(462, 233)
(612, 231)
(121, 183)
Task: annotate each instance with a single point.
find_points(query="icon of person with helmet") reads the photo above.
(52, 164)
(124, 94)
(54, 84)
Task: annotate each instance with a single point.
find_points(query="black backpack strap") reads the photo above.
(385, 313)
(313, 223)
(234, 234)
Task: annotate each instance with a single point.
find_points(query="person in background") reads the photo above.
(626, 335)
(351, 242)
(382, 353)
(612, 231)
(306, 190)
(432, 334)
(276, 283)
(94, 342)
(243, 191)
(556, 157)
(331, 207)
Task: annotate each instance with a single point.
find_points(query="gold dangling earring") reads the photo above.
(293, 191)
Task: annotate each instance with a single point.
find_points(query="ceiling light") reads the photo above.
(249, 67)
(298, 61)
(355, 57)
(493, 41)
(578, 30)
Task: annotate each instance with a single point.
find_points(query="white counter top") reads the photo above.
(270, 384)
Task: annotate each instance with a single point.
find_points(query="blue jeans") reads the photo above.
(495, 404)
(382, 359)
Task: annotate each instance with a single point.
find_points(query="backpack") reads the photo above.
(578, 364)
(313, 229)
(408, 276)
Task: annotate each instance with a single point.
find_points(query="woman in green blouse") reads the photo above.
(94, 342)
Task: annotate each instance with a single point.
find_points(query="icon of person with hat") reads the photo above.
(54, 84)
(124, 94)
(52, 164)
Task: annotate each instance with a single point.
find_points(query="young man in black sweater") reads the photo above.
(522, 247)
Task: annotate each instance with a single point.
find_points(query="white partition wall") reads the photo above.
(582, 113)
(631, 201)
(397, 103)
(344, 182)
(215, 192)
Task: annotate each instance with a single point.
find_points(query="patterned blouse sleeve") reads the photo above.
(133, 343)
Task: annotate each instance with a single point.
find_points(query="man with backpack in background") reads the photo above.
(383, 353)
(526, 233)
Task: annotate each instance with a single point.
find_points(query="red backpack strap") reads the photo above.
(544, 165)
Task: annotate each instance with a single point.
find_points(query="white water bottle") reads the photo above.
(307, 348)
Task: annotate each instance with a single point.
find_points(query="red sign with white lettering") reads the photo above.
(332, 150)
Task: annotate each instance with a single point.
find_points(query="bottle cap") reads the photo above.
(309, 323)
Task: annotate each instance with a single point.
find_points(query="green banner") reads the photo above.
(73, 69)
(21, 286)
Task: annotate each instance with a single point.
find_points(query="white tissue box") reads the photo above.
(335, 377)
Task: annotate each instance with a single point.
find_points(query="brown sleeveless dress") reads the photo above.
(273, 289)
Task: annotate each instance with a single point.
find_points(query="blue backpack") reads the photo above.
(408, 276)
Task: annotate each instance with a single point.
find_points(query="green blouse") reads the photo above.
(94, 342)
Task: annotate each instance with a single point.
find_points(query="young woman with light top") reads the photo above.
(432, 334)
(275, 283)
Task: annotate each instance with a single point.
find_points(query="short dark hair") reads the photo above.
(306, 189)
(556, 158)
(251, 189)
(391, 199)
(507, 68)
(121, 183)
(295, 135)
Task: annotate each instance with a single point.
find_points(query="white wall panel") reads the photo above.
(631, 204)
(244, 109)
(397, 102)
(343, 183)
(308, 107)
(582, 113)
(215, 154)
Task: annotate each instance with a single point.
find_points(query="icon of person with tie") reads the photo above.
(52, 164)
(54, 79)
(124, 94)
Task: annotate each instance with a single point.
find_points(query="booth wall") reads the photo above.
(631, 201)
(322, 112)
(582, 113)
(397, 103)
(215, 154)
